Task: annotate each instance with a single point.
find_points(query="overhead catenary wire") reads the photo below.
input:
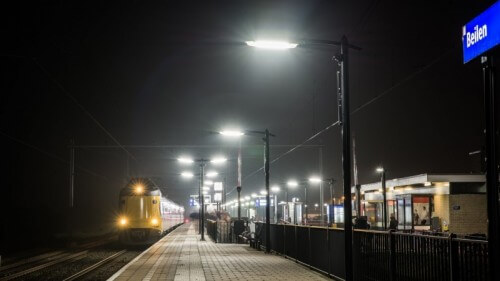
(51, 155)
(72, 98)
(359, 108)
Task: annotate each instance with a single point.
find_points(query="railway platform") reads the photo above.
(180, 256)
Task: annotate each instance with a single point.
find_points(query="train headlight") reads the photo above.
(139, 189)
(154, 221)
(123, 221)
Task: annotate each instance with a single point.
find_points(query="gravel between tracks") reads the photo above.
(66, 269)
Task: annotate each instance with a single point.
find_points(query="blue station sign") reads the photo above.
(482, 33)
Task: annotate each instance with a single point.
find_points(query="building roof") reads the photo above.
(422, 179)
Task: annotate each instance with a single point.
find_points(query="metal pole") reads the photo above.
(305, 205)
(384, 193)
(346, 155)
(286, 206)
(268, 202)
(321, 201)
(358, 200)
(275, 208)
(491, 166)
(238, 188)
(72, 174)
(199, 200)
(202, 175)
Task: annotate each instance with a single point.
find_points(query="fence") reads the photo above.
(219, 231)
(381, 255)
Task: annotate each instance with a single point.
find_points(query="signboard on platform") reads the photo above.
(218, 186)
(218, 197)
(482, 33)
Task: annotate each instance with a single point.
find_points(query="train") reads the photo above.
(145, 215)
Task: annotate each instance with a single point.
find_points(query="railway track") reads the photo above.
(44, 261)
(95, 266)
(59, 260)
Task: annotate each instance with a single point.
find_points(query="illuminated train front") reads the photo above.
(145, 215)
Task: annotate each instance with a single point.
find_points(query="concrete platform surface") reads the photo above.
(180, 256)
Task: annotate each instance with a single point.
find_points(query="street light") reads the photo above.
(218, 160)
(211, 174)
(266, 140)
(187, 175)
(271, 45)
(185, 160)
(201, 195)
(344, 120)
(381, 170)
(231, 133)
(275, 189)
(315, 180)
(320, 181)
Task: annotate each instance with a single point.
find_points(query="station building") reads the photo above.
(428, 202)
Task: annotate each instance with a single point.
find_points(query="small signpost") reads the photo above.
(479, 37)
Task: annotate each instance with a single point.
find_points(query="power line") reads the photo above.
(51, 155)
(406, 79)
(71, 97)
(290, 151)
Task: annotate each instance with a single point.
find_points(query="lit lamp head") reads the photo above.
(211, 174)
(185, 160)
(218, 160)
(232, 133)
(187, 175)
(292, 183)
(275, 189)
(271, 44)
(315, 180)
(380, 170)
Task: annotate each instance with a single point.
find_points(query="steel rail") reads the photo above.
(45, 265)
(30, 260)
(95, 266)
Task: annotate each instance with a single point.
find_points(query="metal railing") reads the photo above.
(219, 231)
(211, 226)
(381, 255)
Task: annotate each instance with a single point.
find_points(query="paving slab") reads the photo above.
(180, 256)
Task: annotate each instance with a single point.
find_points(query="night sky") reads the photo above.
(171, 74)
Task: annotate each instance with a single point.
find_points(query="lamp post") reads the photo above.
(201, 197)
(343, 91)
(321, 200)
(266, 140)
(275, 189)
(289, 184)
(384, 194)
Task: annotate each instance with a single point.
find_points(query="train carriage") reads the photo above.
(145, 214)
